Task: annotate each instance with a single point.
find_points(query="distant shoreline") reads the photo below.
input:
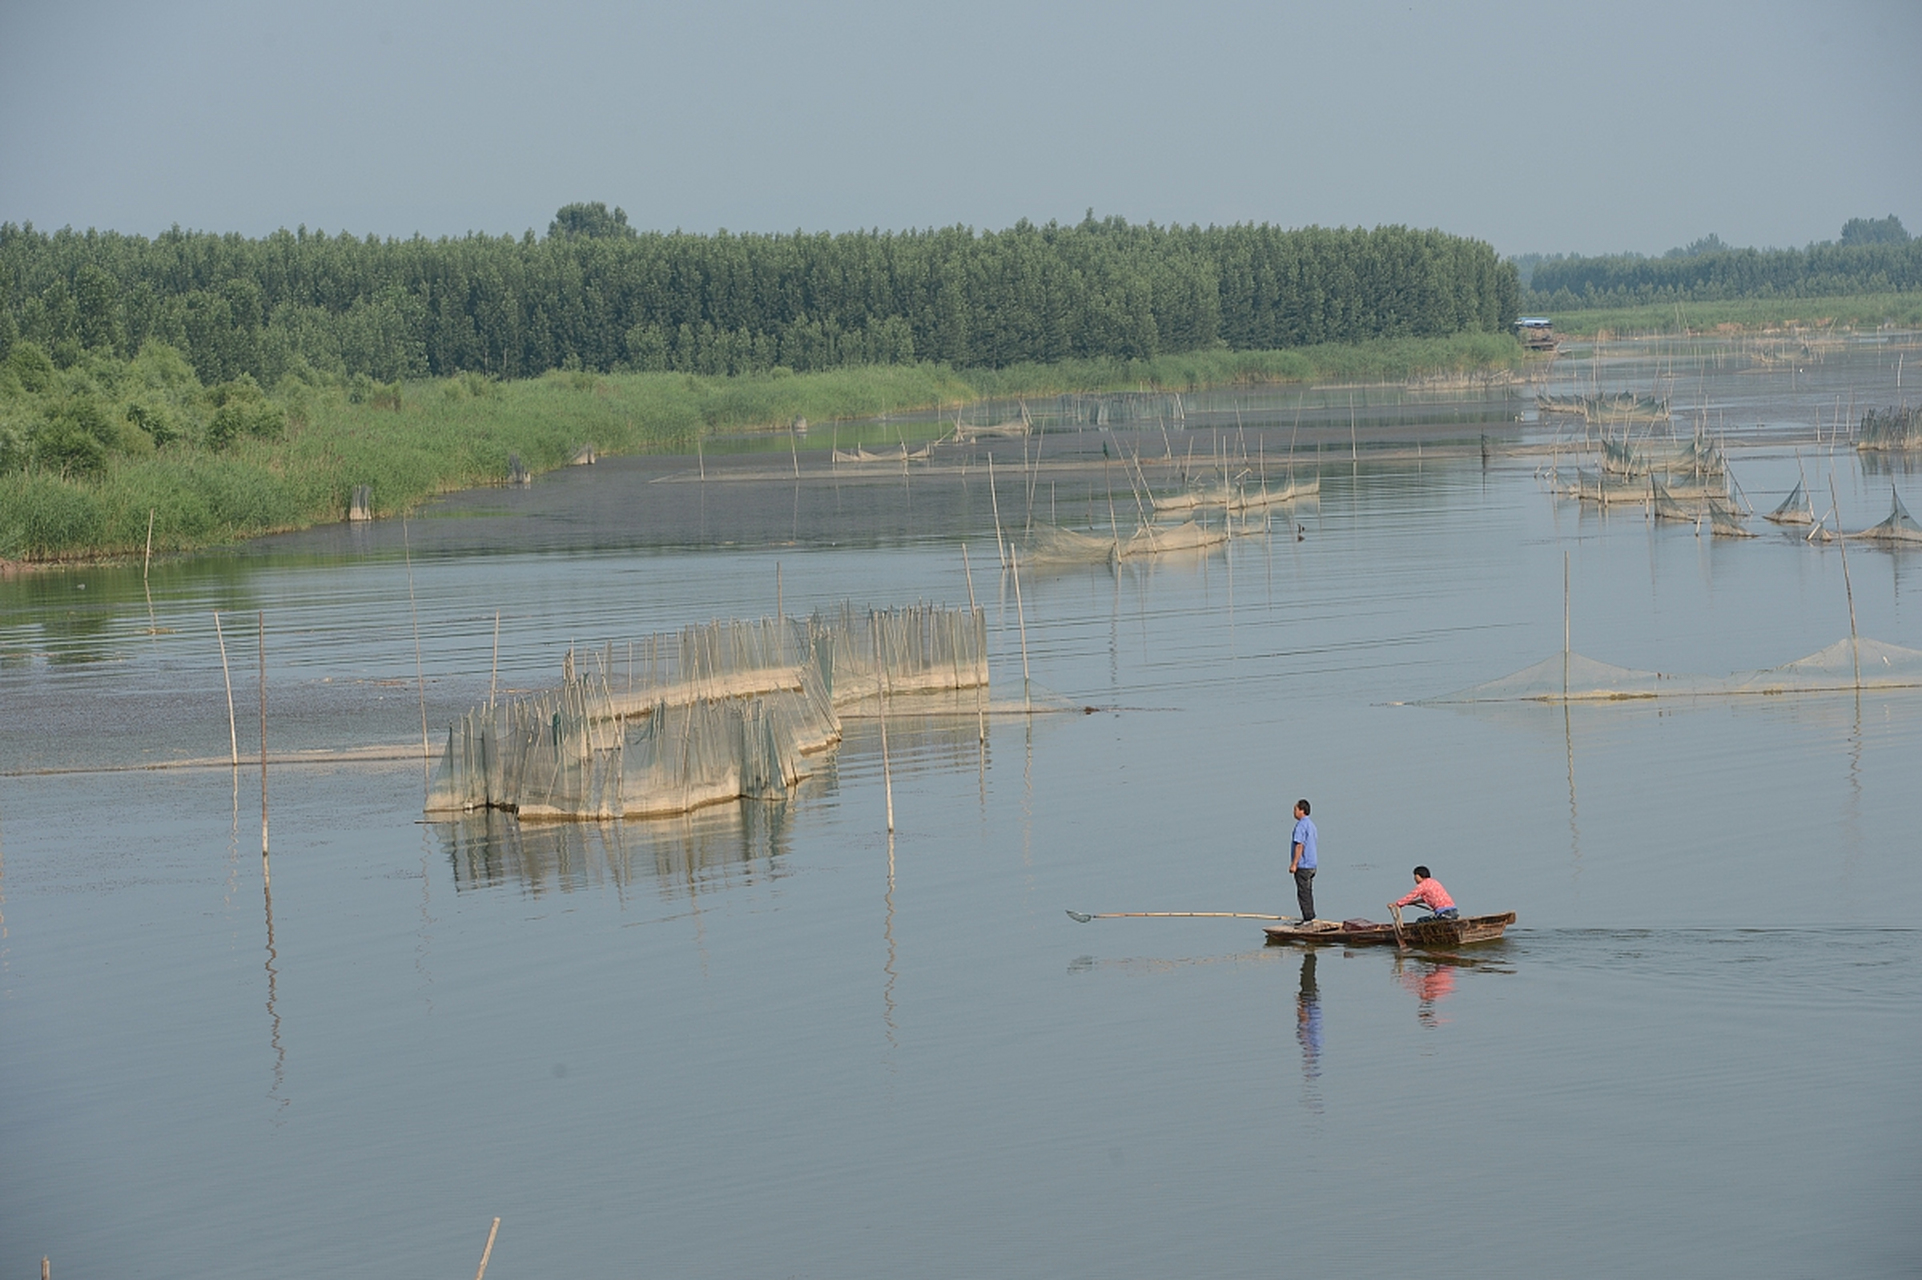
(437, 436)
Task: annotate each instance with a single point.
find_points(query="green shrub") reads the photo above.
(30, 366)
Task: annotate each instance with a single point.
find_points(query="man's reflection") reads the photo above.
(1430, 981)
(1308, 1018)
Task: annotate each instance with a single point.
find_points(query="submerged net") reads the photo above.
(1844, 665)
(712, 713)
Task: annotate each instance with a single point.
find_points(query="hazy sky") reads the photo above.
(1539, 126)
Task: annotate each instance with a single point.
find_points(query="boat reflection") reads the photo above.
(719, 846)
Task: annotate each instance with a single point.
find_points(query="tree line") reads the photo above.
(596, 294)
(1873, 256)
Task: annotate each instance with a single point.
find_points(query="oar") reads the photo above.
(1084, 916)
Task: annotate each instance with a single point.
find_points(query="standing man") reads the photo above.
(1301, 861)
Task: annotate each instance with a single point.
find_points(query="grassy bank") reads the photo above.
(1858, 311)
(415, 440)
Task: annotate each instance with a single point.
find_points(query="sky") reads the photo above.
(1616, 125)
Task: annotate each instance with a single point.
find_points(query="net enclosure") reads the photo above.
(1844, 666)
(1676, 479)
(719, 712)
(1051, 544)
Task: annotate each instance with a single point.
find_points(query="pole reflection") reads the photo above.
(277, 1091)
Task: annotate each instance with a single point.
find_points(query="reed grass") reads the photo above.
(441, 435)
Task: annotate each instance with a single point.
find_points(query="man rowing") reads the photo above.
(1429, 892)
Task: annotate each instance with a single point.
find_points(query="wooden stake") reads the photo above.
(144, 564)
(263, 736)
(881, 701)
(1842, 542)
(1022, 621)
(980, 716)
(233, 734)
(494, 671)
(488, 1252)
(999, 547)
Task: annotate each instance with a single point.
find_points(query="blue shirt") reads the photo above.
(1305, 837)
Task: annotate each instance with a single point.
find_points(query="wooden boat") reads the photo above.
(1460, 932)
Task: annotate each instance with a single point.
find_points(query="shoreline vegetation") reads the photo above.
(221, 464)
(1742, 315)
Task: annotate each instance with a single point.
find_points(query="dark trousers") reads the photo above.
(1305, 891)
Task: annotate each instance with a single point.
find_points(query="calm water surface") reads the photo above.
(765, 1041)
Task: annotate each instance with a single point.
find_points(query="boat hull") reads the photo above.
(1463, 932)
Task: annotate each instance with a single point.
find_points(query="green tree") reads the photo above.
(1887, 230)
(592, 220)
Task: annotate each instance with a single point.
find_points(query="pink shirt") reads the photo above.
(1430, 894)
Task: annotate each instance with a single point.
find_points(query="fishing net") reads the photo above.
(1049, 544)
(710, 713)
(1667, 508)
(1616, 407)
(1844, 665)
(917, 649)
(1726, 522)
(1900, 527)
(1795, 509)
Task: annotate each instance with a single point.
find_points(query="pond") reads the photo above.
(767, 1039)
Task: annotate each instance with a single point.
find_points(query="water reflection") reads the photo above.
(722, 845)
(278, 1092)
(1308, 1030)
(1430, 981)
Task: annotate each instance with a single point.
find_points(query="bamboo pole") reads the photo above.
(881, 700)
(488, 1252)
(148, 561)
(494, 671)
(980, 716)
(1842, 542)
(263, 739)
(1022, 622)
(233, 733)
(1000, 548)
